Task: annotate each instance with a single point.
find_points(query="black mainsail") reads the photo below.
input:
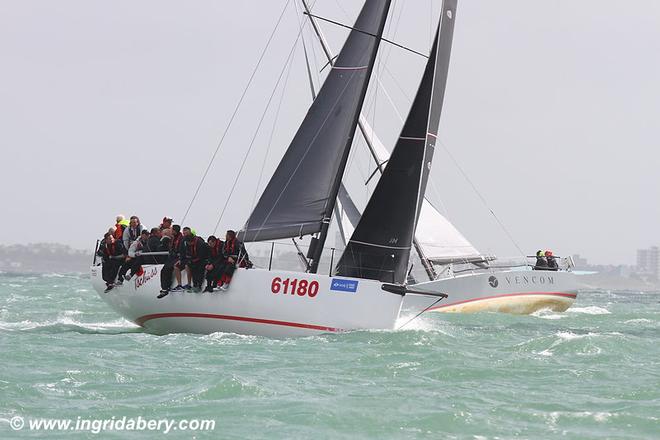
(301, 195)
(380, 246)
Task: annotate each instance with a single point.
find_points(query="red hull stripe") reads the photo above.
(141, 320)
(566, 295)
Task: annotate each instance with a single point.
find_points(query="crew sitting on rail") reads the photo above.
(196, 253)
(132, 232)
(552, 261)
(235, 255)
(166, 227)
(541, 262)
(214, 264)
(169, 268)
(111, 251)
(153, 245)
(215, 261)
(180, 264)
(134, 260)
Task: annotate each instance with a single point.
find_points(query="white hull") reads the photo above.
(251, 307)
(508, 291)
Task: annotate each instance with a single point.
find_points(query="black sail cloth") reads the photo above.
(301, 194)
(381, 243)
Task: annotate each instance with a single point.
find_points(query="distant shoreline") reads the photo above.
(44, 258)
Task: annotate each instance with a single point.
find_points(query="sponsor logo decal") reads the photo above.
(342, 285)
(493, 281)
(146, 276)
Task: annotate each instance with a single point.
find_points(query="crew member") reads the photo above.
(134, 260)
(552, 261)
(172, 245)
(234, 253)
(196, 254)
(153, 245)
(120, 225)
(541, 262)
(111, 251)
(214, 264)
(166, 226)
(132, 232)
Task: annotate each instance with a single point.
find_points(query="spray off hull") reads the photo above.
(518, 292)
(259, 302)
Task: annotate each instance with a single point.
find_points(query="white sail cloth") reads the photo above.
(439, 239)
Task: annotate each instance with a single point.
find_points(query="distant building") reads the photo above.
(648, 262)
(580, 262)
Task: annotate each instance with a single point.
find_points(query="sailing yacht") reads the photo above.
(369, 286)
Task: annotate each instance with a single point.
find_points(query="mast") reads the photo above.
(362, 125)
(381, 249)
(316, 247)
(300, 196)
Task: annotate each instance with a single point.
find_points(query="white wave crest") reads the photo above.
(590, 310)
(547, 314)
(68, 321)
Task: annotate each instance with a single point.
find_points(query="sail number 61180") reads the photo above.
(294, 286)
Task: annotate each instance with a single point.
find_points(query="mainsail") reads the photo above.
(381, 244)
(300, 197)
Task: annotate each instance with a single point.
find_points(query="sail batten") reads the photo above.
(382, 241)
(300, 196)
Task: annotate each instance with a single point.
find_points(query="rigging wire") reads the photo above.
(369, 33)
(270, 138)
(417, 315)
(481, 197)
(240, 101)
(261, 120)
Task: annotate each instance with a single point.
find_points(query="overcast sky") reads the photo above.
(551, 111)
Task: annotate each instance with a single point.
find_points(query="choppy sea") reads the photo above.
(590, 372)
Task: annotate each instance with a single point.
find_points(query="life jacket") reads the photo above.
(110, 249)
(229, 247)
(216, 249)
(176, 242)
(119, 231)
(193, 247)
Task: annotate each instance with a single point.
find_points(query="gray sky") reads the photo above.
(116, 107)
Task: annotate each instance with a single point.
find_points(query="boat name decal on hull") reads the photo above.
(146, 276)
(534, 279)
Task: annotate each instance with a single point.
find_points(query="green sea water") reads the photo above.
(591, 372)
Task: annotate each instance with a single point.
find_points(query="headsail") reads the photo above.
(381, 244)
(300, 196)
(440, 241)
